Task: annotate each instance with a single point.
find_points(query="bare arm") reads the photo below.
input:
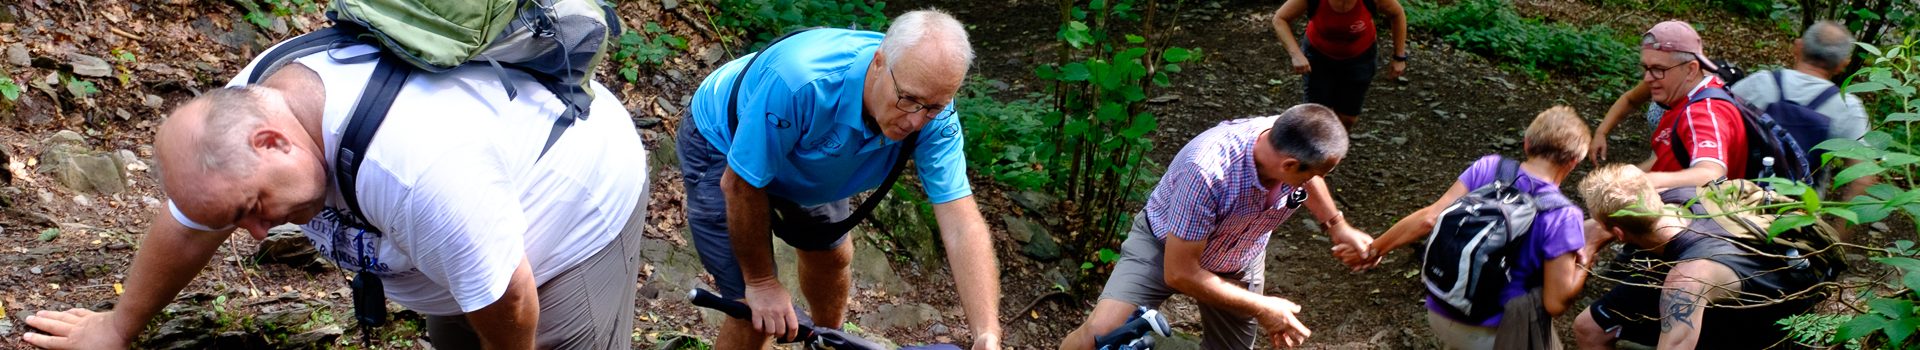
(1696, 175)
(170, 256)
(1418, 224)
(1689, 288)
(1564, 278)
(748, 233)
(1182, 271)
(1283, 28)
(509, 322)
(975, 272)
(1398, 15)
(1638, 95)
(1349, 243)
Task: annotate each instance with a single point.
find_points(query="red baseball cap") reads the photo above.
(1676, 36)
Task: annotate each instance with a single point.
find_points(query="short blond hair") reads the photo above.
(1558, 134)
(1616, 187)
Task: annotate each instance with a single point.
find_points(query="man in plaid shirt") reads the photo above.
(1204, 230)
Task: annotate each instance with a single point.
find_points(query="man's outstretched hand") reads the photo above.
(1351, 247)
(75, 329)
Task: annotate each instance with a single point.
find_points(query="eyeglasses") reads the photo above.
(910, 106)
(1658, 72)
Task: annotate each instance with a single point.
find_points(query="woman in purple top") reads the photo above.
(1555, 247)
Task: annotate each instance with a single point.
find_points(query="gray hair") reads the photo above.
(1825, 44)
(233, 113)
(1311, 133)
(909, 30)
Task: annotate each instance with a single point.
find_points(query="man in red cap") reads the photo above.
(1708, 132)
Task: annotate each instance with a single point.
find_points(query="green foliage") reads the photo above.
(1097, 154)
(81, 89)
(1493, 29)
(1006, 140)
(760, 21)
(653, 49)
(1891, 76)
(1816, 330)
(8, 89)
(262, 12)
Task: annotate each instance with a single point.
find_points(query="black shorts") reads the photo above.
(1633, 313)
(1340, 84)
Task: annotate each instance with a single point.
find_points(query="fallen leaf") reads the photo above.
(117, 290)
(3, 312)
(49, 234)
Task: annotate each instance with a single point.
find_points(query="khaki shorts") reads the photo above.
(1138, 279)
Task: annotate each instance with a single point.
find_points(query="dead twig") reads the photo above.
(117, 31)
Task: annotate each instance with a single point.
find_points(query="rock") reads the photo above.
(1880, 226)
(1002, 86)
(1038, 204)
(911, 229)
(241, 37)
(153, 101)
(646, 122)
(315, 339)
(1175, 342)
(668, 106)
(17, 55)
(1042, 248)
(187, 330)
(85, 65)
(1022, 230)
(1508, 141)
(286, 245)
(1163, 99)
(289, 318)
(1398, 140)
(69, 161)
(676, 269)
(872, 270)
(82, 200)
(34, 270)
(889, 317)
(669, 4)
(938, 329)
(131, 160)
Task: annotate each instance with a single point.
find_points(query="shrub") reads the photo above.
(652, 50)
(1492, 28)
(757, 22)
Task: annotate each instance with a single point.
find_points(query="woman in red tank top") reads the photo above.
(1338, 58)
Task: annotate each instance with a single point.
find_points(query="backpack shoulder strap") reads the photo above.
(907, 147)
(1312, 6)
(1780, 84)
(1373, 7)
(300, 46)
(1823, 97)
(383, 86)
(733, 97)
(1508, 172)
(1550, 201)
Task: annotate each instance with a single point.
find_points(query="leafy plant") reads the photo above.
(262, 12)
(1005, 139)
(758, 22)
(9, 89)
(1816, 330)
(1493, 29)
(1097, 157)
(81, 89)
(653, 49)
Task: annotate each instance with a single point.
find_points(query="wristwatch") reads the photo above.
(1400, 58)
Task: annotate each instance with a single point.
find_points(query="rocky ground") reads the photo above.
(80, 189)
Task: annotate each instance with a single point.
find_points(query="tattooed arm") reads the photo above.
(1684, 298)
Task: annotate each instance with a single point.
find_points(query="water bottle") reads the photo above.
(1766, 167)
(1795, 260)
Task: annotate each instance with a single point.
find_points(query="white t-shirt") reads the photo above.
(1845, 111)
(455, 179)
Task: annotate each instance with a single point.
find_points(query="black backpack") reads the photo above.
(1804, 121)
(1766, 138)
(1475, 240)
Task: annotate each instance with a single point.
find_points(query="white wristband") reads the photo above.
(184, 221)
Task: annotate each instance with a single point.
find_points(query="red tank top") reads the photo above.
(1340, 35)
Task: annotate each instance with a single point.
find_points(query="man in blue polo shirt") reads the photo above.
(812, 120)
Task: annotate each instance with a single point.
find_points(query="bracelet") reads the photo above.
(1327, 225)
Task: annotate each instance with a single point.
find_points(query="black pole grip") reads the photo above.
(732, 308)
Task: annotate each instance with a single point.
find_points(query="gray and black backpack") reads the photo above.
(1474, 242)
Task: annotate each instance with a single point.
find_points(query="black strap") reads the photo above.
(300, 46)
(1822, 99)
(1508, 173)
(733, 98)
(1314, 5)
(389, 75)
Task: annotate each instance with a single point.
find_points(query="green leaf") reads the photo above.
(1108, 256)
(1865, 87)
(1046, 72)
(1896, 159)
(1883, 191)
(1910, 265)
(1176, 55)
(1111, 112)
(1857, 171)
(1077, 127)
(1136, 39)
(1811, 200)
(1171, 68)
(1789, 222)
(1902, 328)
(1860, 326)
(1160, 79)
(1893, 308)
(49, 234)
(1875, 50)
(1075, 72)
(1873, 213)
(1086, 265)
(1843, 213)
(1839, 145)
(1902, 117)
(1132, 93)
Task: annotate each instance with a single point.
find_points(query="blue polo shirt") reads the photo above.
(802, 136)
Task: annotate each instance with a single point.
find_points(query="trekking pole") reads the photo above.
(1137, 333)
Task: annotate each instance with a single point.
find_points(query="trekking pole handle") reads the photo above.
(732, 308)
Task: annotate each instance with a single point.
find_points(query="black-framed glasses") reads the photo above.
(911, 106)
(1658, 72)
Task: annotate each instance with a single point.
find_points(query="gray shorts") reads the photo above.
(1138, 279)
(588, 306)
